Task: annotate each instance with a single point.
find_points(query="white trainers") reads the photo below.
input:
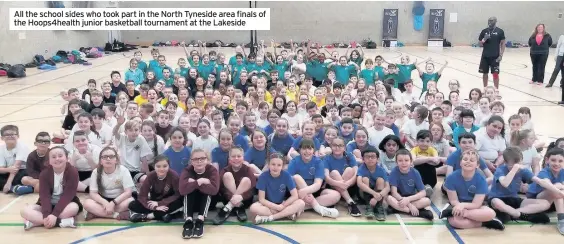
(67, 223)
(261, 219)
(28, 225)
(329, 212)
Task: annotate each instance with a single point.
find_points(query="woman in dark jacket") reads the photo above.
(540, 41)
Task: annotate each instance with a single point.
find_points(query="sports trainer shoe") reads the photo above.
(241, 214)
(560, 223)
(28, 225)
(353, 210)
(221, 217)
(429, 191)
(379, 212)
(329, 212)
(494, 224)
(67, 223)
(137, 217)
(426, 214)
(537, 218)
(198, 229)
(188, 229)
(446, 212)
(369, 213)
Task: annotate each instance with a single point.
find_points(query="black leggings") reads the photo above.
(428, 174)
(196, 202)
(539, 63)
(557, 68)
(174, 207)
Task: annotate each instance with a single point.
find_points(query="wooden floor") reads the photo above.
(33, 103)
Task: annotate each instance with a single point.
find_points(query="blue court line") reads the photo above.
(105, 233)
(452, 231)
(274, 233)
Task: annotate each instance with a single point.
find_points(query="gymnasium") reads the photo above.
(446, 34)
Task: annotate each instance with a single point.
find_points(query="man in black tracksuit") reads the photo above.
(493, 41)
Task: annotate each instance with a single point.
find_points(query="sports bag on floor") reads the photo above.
(16, 71)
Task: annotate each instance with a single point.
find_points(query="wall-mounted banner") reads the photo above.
(436, 24)
(390, 24)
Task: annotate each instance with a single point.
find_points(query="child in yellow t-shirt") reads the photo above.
(291, 92)
(426, 159)
(318, 99)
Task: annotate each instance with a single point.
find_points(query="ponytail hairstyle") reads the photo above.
(92, 126)
(518, 136)
(151, 124)
(100, 168)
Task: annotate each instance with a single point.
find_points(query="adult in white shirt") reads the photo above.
(490, 142)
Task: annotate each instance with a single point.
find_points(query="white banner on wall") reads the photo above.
(140, 19)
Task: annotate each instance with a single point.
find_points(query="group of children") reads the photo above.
(279, 134)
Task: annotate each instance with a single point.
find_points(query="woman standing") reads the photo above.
(540, 41)
(559, 62)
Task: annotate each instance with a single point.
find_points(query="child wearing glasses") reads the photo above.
(12, 160)
(36, 162)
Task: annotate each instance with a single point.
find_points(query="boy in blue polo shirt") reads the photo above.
(466, 190)
(372, 181)
(467, 141)
(407, 192)
(553, 190)
(504, 198)
(308, 172)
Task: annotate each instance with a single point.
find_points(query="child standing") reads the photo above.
(199, 182)
(407, 193)
(58, 204)
(503, 196)
(159, 196)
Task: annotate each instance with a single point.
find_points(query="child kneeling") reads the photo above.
(466, 190)
(159, 196)
(372, 181)
(407, 193)
(277, 196)
(57, 204)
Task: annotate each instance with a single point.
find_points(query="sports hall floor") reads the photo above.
(33, 103)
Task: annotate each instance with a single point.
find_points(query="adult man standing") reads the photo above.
(493, 41)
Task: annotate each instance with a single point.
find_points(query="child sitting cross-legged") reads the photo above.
(407, 192)
(372, 181)
(503, 196)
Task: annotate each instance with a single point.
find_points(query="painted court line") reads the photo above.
(10, 204)
(274, 233)
(404, 228)
(85, 239)
(452, 231)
